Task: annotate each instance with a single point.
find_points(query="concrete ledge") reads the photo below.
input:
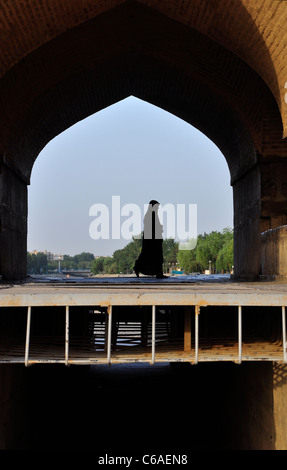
(162, 293)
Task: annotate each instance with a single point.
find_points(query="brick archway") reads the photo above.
(191, 59)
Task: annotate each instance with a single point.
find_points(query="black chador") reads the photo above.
(150, 260)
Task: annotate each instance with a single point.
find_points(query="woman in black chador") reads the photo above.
(151, 258)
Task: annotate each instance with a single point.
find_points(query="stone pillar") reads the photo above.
(247, 212)
(260, 406)
(274, 218)
(280, 405)
(253, 413)
(13, 224)
(274, 254)
(273, 193)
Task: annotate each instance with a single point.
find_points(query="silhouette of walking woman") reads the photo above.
(151, 258)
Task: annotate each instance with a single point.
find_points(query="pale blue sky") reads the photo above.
(133, 150)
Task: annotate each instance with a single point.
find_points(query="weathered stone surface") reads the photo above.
(274, 253)
(13, 224)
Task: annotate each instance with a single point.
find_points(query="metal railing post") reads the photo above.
(67, 337)
(27, 346)
(153, 335)
(109, 334)
(239, 334)
(197, 311)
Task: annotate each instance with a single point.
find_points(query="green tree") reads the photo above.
(188, 262)
(84, 260)
(202, 251)
(209, 246)
(216, 247)
(98, 265)
(170, 253)
(224, 261)
(68, 263)
(126, 257)
(37, 263)
(110, 266)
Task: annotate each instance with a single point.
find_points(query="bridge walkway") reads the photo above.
(125, 320)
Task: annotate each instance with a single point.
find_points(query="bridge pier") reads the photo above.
(247, 207)
(274, 254)
(280, 405)
(13, 223)
(254, 407)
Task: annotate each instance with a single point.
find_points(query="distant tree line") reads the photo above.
(39, 264)
(216, 247)
(123, 260)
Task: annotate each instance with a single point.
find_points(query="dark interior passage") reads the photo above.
(132, 409)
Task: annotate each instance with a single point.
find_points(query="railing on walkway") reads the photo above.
(155, 333)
